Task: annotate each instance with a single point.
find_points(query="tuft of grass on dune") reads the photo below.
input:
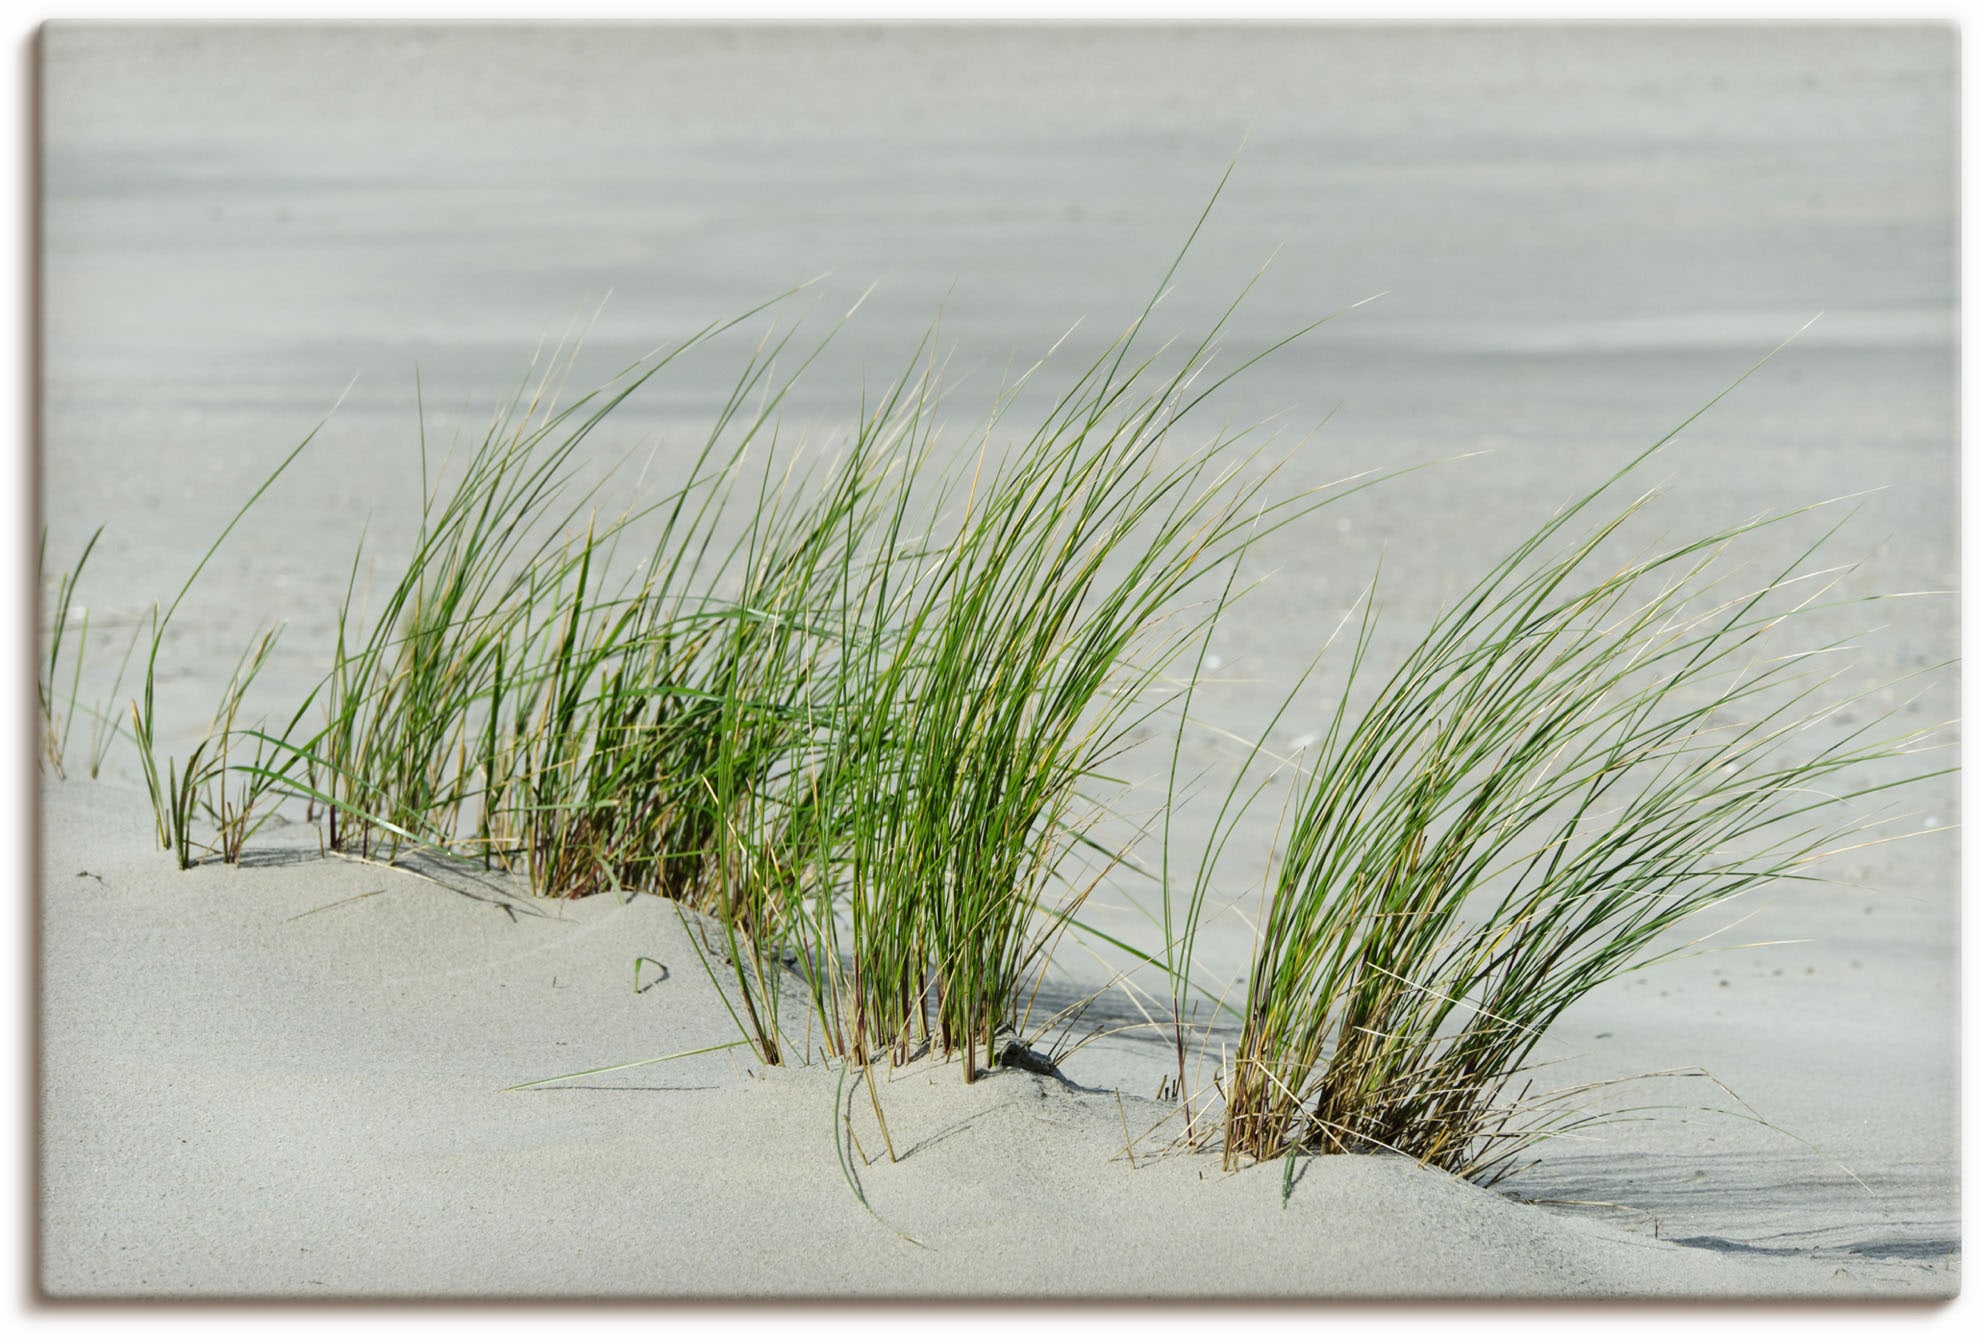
(1579, 755)
(982, 670)
(491, 689)
(994, 677)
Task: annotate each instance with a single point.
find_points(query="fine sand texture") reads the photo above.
(295, 1078)
(286, 1080)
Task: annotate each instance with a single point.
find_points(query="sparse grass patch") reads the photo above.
(178, 794)
(58, 712)
(57, 707)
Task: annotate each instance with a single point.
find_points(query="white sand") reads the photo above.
(286, 1081)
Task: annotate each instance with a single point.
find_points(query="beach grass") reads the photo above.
(1590, 747)
(855, 709)
(990, 671)
(861, 709)
(66, 638)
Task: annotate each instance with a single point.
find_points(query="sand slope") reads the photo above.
(285, 1080)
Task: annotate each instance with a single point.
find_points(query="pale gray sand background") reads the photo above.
(1585, 235)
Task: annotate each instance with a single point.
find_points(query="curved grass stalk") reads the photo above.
(57, 717)
(175, 798)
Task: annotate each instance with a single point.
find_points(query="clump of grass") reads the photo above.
(981, 672)
(420, 693)
(687, 698)
(508, 699)
(1577, 756)
(990, 684)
